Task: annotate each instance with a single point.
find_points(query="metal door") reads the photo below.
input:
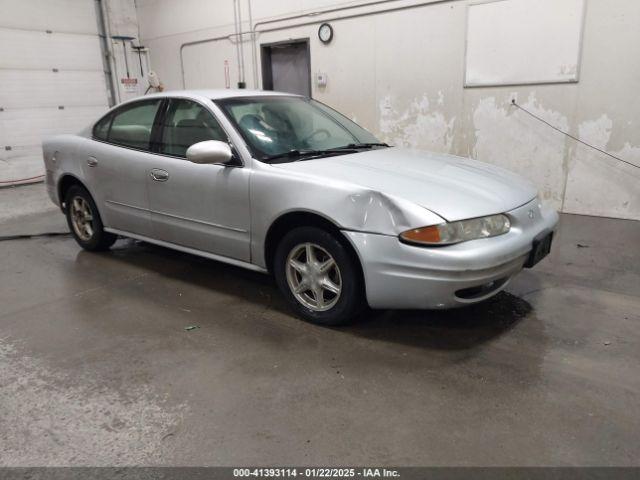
(205, 207)
(117, 160)
(116, 177)
(286, 67)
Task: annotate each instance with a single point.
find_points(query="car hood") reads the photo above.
(453, 187)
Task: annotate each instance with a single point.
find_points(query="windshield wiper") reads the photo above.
(299, 154)
(353, 146)
(290, 154)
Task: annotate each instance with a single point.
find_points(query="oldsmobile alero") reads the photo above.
(284, 184)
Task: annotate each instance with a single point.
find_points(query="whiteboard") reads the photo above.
(522, 42)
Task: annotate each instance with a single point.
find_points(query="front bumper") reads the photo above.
(398, 275)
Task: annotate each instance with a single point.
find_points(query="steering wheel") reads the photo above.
(319, 131)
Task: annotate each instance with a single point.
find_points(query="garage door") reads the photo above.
(51, 78)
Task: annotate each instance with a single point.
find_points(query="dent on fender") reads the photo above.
(376, 212)
(349, 206)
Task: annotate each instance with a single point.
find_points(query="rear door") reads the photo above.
(118, 162)
(205, 207)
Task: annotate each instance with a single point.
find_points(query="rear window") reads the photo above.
(129, 126)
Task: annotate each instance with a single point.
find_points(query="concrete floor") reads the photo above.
(96, 367)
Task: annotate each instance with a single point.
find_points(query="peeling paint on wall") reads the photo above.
(417, 126)
(596, 132)
(600, 185)
(515, 141)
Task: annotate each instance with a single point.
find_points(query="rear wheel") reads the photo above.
(319, 277)
(84, 220)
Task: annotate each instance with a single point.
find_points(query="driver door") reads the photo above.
(205, 207)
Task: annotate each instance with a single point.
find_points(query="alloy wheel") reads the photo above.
(82, 218)
(313, 277)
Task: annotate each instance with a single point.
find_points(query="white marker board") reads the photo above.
(522, 42)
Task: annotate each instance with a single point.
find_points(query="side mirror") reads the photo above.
(211, 151)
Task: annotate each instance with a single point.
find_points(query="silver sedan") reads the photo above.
(284, 184)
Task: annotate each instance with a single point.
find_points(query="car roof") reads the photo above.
(201, 95)
(218, 94)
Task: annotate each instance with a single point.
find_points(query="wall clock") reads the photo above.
(325, 33)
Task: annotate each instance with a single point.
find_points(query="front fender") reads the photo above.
(350, 207)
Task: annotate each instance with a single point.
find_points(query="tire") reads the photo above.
(84, 221)
(319, 278)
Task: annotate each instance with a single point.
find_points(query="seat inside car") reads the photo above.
(189, 131)
(136, 136)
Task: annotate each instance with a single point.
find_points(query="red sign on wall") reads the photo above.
(130, 84)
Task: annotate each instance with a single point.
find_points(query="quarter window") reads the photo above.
(101, 129)
(185, 124)
(132, 125)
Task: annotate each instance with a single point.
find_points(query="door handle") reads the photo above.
(159, 175)
(92, 161)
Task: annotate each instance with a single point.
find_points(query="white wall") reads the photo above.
(401, 75)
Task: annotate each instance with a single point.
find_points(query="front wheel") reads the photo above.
(319, 277)
(85, 222)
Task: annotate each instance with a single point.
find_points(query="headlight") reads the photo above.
(456, 232)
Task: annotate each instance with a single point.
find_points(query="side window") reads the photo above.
(187, 123)
(101, 129)
(131, 126)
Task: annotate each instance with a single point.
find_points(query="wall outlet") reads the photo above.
(321, 79)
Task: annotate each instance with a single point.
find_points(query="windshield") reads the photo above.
(278, 126)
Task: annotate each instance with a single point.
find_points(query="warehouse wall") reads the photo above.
(51, 78)
(129, 69)
(401, 73)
